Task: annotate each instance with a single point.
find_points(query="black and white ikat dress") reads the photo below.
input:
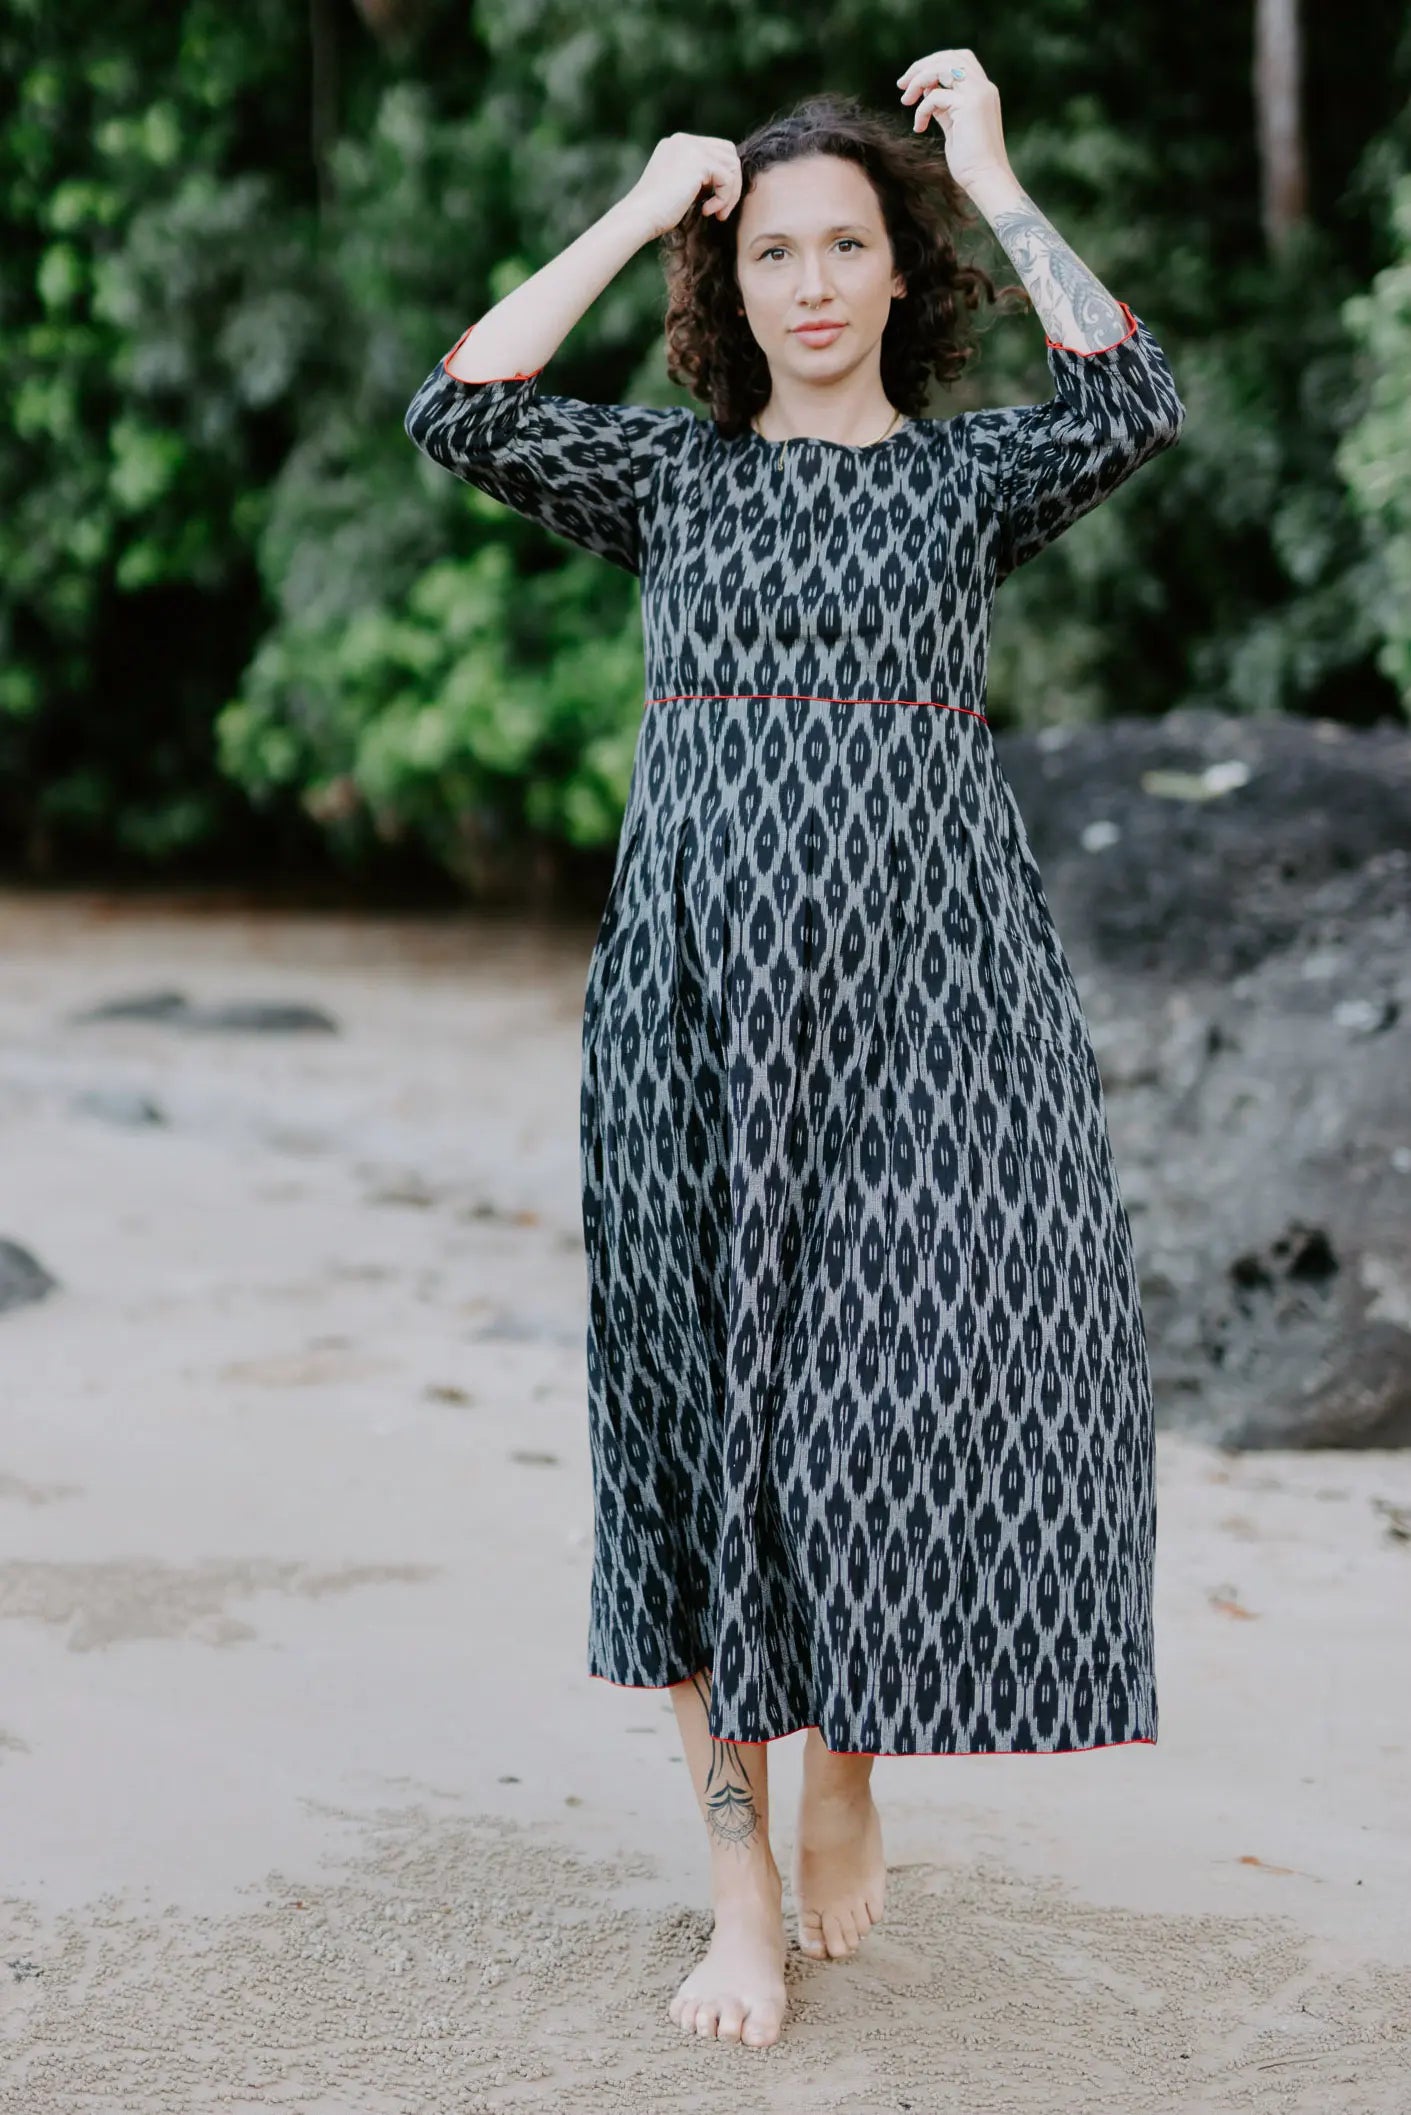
(870, 1403)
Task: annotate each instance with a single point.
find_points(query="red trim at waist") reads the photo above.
(809, 698)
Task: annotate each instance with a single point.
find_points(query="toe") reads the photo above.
(833, 1937)
(686, 2017)
(732, 2020)
(707, 2018)
(759, 2029)
(811, 1934)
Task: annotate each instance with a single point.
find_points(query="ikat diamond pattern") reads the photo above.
(869, 1396)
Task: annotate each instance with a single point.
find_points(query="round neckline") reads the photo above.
(817, 440)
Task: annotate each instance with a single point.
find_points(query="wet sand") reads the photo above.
(308, 1801)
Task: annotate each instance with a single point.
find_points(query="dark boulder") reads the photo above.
(22, 1277)
(119, 1105)
(246, 1016)
(1235, 899)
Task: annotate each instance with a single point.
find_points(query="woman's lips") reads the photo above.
(817, 333)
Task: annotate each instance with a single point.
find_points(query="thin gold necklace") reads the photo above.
(793, 436)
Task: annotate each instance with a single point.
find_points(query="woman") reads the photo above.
(870, 1404)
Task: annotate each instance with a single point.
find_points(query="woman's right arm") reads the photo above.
(578, 469)
(521, 333)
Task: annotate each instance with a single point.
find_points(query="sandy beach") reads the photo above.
(308, 1803)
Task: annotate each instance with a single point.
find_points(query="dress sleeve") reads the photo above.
(582, 470)
(1050, 463)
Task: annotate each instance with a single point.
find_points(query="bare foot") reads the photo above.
(839, 1871)
(736, 1990)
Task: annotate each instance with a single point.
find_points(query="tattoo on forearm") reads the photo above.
(730, 1810)
(1073, 305)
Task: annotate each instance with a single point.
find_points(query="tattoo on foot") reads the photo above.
(731, 1813)
(1057, 280)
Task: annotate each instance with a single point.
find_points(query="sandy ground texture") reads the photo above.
(308, 1802)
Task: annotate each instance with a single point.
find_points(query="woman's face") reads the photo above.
(810, 246)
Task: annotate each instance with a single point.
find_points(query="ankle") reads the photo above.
(830, 1787)
(744, 1877)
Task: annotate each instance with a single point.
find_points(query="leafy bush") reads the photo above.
(243, 626)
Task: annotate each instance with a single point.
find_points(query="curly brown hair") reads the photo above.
(710, 348)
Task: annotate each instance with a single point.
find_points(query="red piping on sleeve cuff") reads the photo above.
(1087, 351)
(486, 378)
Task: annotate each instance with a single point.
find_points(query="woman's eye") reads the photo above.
(851, 241)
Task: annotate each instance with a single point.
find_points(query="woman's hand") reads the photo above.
(681, 166)
(968, 110)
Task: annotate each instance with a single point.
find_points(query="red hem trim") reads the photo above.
(1141, 1740)
(1086, 352)
(518, 377)
(810, 698)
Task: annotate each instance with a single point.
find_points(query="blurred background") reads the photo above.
(236, 238)
(312, 762)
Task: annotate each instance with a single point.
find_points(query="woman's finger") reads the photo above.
(723, 177)
(922, 72)
(925, 73)
(936, 104)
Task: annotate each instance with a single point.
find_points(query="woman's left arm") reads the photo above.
(1072, 303)
(1115, 405)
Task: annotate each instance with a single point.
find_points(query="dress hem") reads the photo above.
(1138, 1740)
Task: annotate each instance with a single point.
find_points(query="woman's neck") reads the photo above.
(853, 419)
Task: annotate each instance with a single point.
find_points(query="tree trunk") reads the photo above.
(1283, 172)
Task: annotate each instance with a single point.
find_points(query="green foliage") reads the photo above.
(239, 614)
(1375, 453)
(431, 719)
(160, 301)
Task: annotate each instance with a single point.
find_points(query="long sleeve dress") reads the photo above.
(870, 1405)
